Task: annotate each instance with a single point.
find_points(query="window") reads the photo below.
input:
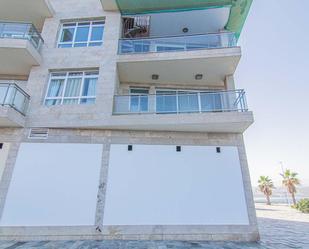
(139, 100)
(72, 88)
(81, 34)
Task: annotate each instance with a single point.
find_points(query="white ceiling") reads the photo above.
(34, 11)
(197, 22)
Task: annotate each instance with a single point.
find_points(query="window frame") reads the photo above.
(75, 25)
(66, 76)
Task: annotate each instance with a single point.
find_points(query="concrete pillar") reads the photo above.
(229, 82)
(229, 97)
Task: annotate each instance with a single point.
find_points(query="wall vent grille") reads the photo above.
(38, 133)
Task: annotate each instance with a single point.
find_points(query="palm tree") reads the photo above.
(266, 186)
(290, 181)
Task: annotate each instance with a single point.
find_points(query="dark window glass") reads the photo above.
(67, 35)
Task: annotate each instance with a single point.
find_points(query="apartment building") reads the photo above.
(120, 119)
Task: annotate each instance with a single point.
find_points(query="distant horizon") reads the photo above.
(273, 71)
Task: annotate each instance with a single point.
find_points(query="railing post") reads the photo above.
(6, 95)
(244, 100)
(199, 102)
(13, 100)
(139, 104)
(177, 103)
(241, 102)
(1, 29)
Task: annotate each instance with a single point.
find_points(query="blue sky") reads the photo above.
(274, 71)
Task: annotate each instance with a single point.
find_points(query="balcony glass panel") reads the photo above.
(177, 43)
(188, 102)
(177, 102)
(211, 102)
(13, 96)
(21, 31)
(166, 102)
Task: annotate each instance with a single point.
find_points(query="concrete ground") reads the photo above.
(280, 227)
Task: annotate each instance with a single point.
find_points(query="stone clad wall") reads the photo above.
(101, 57)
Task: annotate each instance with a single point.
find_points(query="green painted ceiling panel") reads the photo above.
(238, 15)
(146, 6)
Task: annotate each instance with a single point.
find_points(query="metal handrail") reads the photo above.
(181, 102)
(8, 97)
(177, 43)
(239, 98)
(185, 92)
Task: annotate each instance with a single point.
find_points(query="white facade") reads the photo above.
(91, 121)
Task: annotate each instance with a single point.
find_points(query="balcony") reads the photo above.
(182, 102)
(13, 105)
(32, 11)
(178, 59)
(176, 47)
(20, 45)
(216, 111)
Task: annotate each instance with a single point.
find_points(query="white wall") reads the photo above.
(155, 185)
(53, 184)
(198, 22)
(3, 156)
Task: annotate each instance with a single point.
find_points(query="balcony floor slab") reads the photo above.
(234, 122)
(11, 118)
(17, 56)
(180, 67)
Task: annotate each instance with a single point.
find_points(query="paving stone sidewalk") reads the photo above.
(280, 227)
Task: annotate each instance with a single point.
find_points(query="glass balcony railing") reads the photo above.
(13, 96)
(177, 43)
(25, 31)
(182, 102)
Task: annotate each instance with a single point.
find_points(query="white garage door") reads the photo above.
(53, 185)
(156, 185)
